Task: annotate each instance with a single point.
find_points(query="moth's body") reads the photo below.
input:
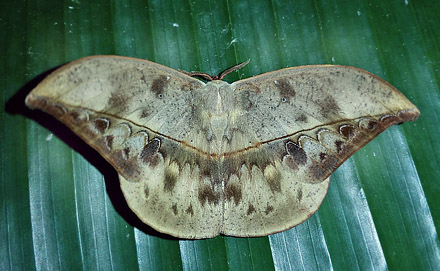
(199, 159)
(216, 106)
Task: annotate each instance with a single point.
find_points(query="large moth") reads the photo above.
(199, 159)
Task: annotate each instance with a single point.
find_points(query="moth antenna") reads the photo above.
(204, 75)
(221, 75)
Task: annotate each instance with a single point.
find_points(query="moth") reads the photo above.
(199, 159)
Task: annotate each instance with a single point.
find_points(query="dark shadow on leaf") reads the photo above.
(16, 105)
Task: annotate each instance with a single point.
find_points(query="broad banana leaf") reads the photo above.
(60, 203)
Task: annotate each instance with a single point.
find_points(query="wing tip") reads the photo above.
(409, 115)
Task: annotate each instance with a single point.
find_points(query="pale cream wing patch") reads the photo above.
(286, 101)
(143, 92)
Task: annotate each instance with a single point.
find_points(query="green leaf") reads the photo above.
(60, 205)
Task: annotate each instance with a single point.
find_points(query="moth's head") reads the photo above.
(217, 84)
(219, 97)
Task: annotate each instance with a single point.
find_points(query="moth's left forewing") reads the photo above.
(306, 101)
